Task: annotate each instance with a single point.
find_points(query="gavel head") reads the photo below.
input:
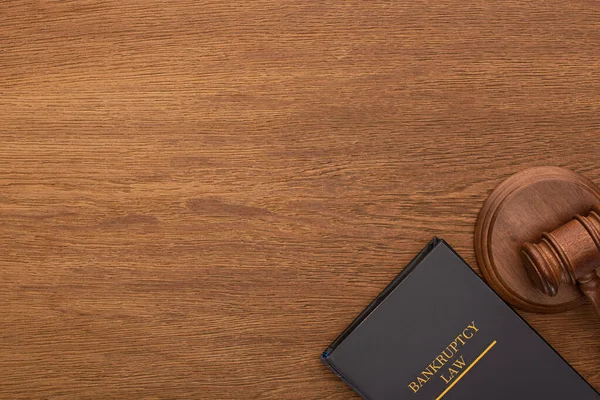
(568, 254)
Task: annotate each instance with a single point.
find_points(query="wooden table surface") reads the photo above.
(196, 197)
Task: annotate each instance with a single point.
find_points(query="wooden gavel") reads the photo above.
(569, 254)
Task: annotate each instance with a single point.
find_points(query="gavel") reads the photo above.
(569, 255)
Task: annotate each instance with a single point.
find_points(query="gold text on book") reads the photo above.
(452, 370)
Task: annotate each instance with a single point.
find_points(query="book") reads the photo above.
(437, 331)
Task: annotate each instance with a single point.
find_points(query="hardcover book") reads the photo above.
(439, 332)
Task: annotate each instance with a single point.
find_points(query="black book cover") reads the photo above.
(439, 332)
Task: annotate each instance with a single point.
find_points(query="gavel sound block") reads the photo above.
(537, 240)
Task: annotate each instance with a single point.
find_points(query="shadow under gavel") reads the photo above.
(569, 254)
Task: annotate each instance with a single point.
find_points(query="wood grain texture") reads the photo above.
(197, 197)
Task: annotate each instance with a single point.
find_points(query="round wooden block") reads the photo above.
(524, 206)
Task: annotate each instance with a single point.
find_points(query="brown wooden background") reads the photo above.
(196, 197)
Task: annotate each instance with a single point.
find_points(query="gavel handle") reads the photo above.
(590, 286)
